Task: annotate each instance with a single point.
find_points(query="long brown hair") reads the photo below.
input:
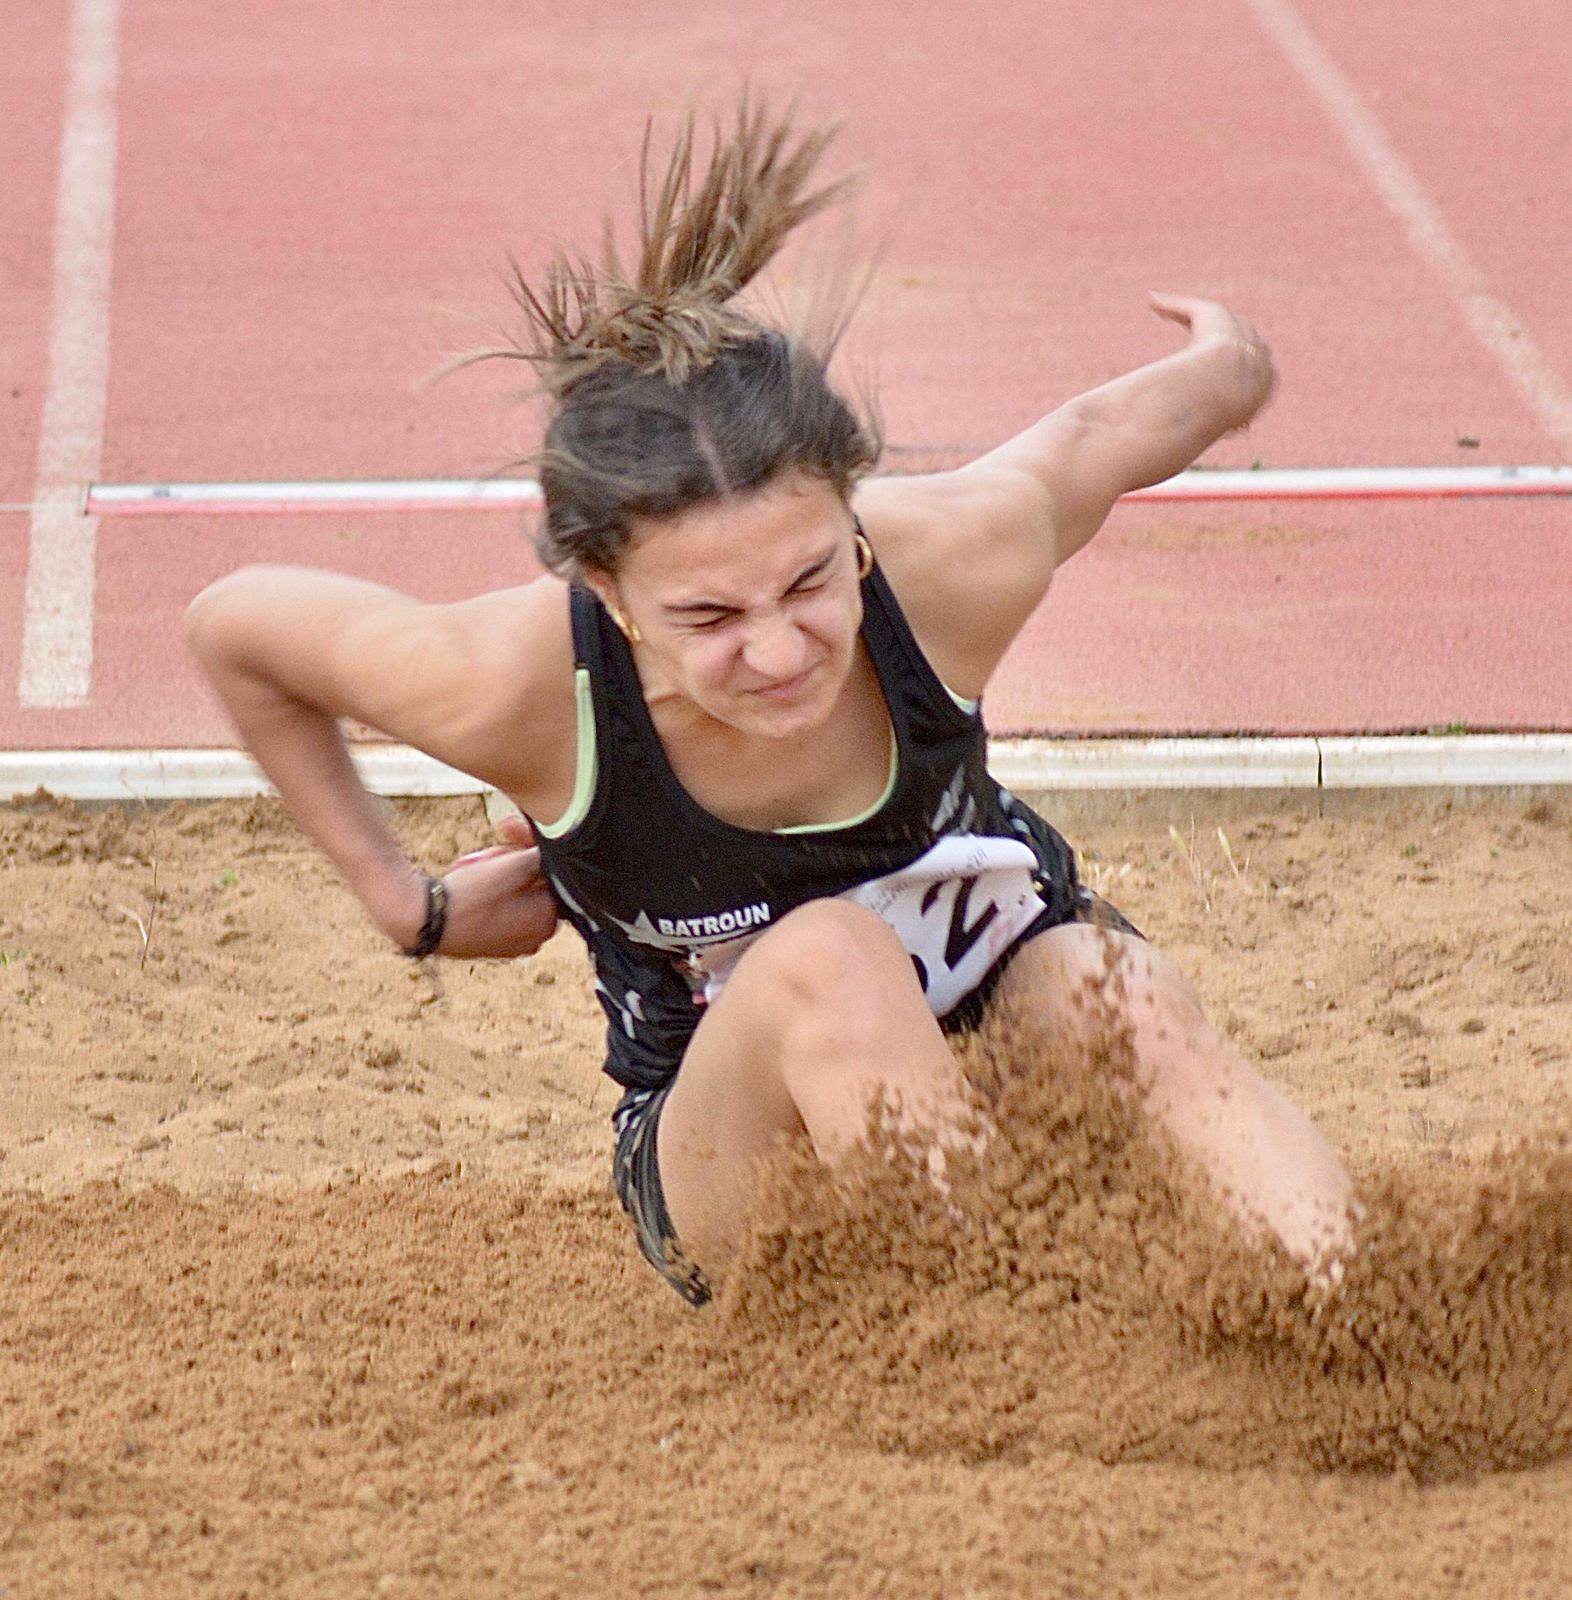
(666, 393)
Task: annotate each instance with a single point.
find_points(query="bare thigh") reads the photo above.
(1076, 978)
(823, 1016)
(1263, 1155)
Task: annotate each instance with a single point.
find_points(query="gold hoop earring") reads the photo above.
(864, 557)
(625, 624)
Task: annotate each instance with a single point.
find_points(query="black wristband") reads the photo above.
(436, 921)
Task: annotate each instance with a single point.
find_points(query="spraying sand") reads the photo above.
(315, 1285)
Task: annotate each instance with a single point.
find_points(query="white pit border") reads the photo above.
(1464, 761)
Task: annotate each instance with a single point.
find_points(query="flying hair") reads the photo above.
(705, 233)
(664, 389)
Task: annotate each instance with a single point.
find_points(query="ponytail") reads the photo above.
(702, 239)
(665, 391)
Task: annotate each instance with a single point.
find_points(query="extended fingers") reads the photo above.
(516, 835)
(1179, 308)
(490, 853)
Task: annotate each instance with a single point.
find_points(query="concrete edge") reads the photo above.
(133, 775)
(1472, 761)
(1031, 764)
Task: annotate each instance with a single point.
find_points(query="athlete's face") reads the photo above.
(748, 607)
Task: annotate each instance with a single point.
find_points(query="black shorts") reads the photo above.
(636, 1172)
(636, 1165)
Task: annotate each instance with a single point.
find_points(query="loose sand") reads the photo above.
(314, 1284)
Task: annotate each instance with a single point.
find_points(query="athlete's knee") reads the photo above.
(831, 951)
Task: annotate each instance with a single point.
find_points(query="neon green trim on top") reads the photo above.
(587, 770)
(586, 762)
(862, 816)
(968, 706)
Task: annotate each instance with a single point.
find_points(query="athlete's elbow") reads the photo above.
(215, 617)
(1249, 378)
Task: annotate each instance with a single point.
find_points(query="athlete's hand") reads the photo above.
(499, 902)
(1204, 319)
(1210, 323)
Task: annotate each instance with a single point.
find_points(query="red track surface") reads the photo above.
(306, 194)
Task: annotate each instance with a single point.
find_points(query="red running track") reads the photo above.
(314, 205)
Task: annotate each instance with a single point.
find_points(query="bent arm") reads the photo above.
(290, 651)
(971, 552)
(1142, 427)
(303, 754)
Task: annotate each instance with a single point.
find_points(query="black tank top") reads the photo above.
(668, 897)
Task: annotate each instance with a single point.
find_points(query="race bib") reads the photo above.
(957, 909)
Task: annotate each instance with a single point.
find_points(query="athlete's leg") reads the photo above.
(1259, 1149)
(822, 1016)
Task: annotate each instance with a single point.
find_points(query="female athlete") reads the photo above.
(741, 713)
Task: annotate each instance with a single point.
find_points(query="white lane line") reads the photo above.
(493, 494)
(57, 616)
(1492, 322)
(1451, 761)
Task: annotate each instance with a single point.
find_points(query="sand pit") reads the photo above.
(315, 1285)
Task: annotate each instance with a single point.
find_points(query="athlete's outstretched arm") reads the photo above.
(971, 552)
(1142, 427)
